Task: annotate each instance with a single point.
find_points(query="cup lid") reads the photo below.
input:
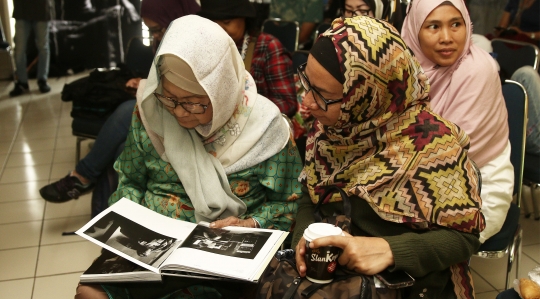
(320, 229)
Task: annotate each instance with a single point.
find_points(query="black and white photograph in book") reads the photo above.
(242, 244)
(132, 239)
(110, 263)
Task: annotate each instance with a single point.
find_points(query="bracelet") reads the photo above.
(257, 225)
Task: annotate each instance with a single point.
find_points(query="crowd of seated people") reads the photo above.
(236, 134)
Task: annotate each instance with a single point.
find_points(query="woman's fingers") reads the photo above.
(300, 252)
(361, 254)
(232, 221)
(338, 241)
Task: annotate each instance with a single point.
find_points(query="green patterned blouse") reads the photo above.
(269, 189)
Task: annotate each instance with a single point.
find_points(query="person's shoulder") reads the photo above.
(478, 64)
(266, 38)
(269, 41)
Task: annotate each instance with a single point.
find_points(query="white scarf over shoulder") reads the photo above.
(246, 128)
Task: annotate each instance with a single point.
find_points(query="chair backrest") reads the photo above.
(299, 57)
(511, 55)
(322, 27)
(515, 98)
(139, 56)
(285, 31)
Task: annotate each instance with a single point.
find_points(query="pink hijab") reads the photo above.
(468, 92)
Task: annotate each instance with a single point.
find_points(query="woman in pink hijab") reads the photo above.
(465, 89)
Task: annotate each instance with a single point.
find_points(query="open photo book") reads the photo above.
(142, 245)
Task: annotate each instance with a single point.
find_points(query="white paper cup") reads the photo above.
(321, 262)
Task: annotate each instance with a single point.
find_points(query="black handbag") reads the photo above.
(282, 281)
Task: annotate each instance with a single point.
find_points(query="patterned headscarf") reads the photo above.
(388, 147)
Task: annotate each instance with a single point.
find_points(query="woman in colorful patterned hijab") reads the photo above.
(411, 185)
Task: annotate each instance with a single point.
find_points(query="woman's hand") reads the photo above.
(516, 29)
(234, 221)
(132, 85)
(300, 254)
(366, 255)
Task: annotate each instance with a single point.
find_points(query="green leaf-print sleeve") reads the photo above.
(279, 177)
(130, 165)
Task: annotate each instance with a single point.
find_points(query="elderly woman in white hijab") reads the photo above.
(204, 146)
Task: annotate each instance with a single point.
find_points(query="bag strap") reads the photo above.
(249, 53)
(344, 198)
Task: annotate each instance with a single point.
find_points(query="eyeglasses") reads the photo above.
(194, 108)
(355, 13)
(319, 99)
(155, 30)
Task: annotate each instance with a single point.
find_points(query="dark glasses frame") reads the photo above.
(188, 106)
(317, 96)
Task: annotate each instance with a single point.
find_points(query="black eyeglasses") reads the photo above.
(194, 108)
(319, 99)
(355, 13)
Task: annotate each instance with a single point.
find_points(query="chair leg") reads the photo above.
(534, 202)
(525, 206)
(78, 150)
(514, 254)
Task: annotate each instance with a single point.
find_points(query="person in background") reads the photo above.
(270, 65)
(529, 78)
(308, 13)
(156, 14)
(389, 10)
(465, 89)
(31, 16)
(204, 146)
(520, 21)
(377, 139)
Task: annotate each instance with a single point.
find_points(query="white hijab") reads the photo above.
(246, 128)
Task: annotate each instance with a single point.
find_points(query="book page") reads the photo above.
(240, 252)
(154, 241)
(136, 233)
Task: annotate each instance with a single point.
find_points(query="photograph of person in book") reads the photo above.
(132, 238)
(222, 241)
(204, 146)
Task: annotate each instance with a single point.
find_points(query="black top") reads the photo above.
(32, 10)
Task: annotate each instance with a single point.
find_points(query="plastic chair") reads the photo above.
(138, 58)
(322, 27)
(531, 178)
(299, 57)
(285, 31)
(512, 54)
(507, 242)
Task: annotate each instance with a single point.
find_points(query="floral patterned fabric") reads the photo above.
(269, 189)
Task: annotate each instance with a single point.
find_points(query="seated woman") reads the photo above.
(204, 145)
(270, 65)
(465, 89)
(414, 193)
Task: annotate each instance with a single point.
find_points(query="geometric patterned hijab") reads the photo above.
(387, 147)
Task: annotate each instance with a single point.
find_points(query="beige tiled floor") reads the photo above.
(36, 261)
